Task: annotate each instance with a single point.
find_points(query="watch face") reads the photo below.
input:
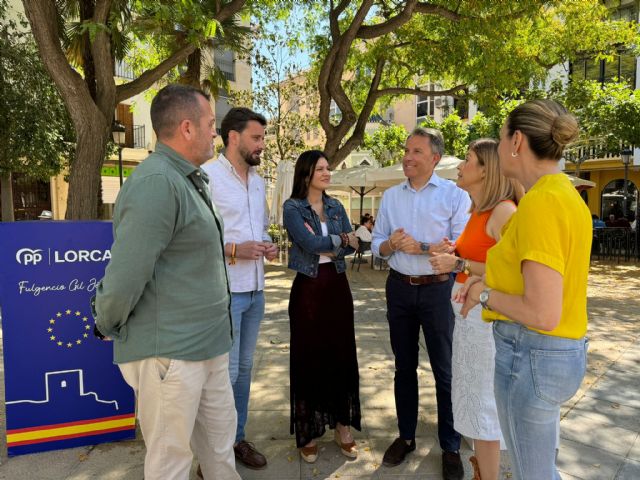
(484, 296)
(424, 247)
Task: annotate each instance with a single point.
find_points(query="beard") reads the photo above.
(252, 159)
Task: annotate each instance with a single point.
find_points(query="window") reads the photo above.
(225, 61)
(628, 68)
(627, 13)
(622, 66)
(30, 197)
(461, 105)
(425, 107)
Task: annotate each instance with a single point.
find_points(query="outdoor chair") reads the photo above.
(363, 247)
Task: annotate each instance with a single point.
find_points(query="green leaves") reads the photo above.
(35, 131)
(387, 144)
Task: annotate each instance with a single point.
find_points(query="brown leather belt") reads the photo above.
(419, 279)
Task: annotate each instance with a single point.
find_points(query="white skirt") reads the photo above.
(474, 405)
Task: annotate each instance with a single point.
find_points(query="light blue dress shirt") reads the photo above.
(439, 209)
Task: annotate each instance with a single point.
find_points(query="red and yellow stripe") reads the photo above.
(63, 431)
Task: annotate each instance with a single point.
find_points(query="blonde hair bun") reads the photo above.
(564, 129)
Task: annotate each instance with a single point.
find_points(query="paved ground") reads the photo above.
(600, 425)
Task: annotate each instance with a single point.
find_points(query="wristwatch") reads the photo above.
(459, 266)
(424, 247)
(462, 266)
(484, 298)
(467, 267)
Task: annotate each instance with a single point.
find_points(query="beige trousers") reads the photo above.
(182, 403)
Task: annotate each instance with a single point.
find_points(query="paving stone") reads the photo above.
(283, 462)
(599, 428)
(266, 397)
(56, 465)
(617, 391)
(331, 463)
(630, 470)
(582, 429)
(623, 376)
(425, 460)
(587, 462)
(264, 426)
(110, 461)
(634, 453)
(603, 411)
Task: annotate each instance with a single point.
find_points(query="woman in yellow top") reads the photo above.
(535, 289)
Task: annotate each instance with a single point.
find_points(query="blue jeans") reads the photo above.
(247, 310)
(534, 375)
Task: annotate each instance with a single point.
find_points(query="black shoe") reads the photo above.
(452, 466)
(397, 451)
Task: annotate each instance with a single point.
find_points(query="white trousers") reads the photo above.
(181, 403)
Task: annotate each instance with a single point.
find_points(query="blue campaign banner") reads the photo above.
(62, 389)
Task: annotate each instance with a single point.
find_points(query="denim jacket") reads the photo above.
(306, 246)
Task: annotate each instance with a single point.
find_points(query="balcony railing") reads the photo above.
(593, 148)
(123, 70)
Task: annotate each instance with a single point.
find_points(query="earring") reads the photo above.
(514, 154)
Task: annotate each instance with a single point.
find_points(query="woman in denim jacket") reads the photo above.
(324, 367)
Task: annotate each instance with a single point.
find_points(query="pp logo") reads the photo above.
(27, 256)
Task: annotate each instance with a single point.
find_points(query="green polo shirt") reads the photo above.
(165, 292)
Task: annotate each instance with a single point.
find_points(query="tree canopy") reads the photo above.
(386, 144)
(372, 51)
(36, 137)
(79, 42)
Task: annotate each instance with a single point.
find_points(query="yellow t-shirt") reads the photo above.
(552, 226)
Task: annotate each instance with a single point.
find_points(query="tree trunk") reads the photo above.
(6, 200)
(84, 177)
(194, 66)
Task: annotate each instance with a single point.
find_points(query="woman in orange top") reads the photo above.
(474, 408)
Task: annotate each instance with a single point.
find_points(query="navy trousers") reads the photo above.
(428, 306)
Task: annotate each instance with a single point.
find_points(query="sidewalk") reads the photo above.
(599, 431)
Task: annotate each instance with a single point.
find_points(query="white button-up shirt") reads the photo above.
(439, 209)
(244, 213)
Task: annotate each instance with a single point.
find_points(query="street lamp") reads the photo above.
(626, 155)
(118, 130)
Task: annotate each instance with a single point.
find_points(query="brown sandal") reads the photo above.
(348, 449)
(309, 454)
(476, 468)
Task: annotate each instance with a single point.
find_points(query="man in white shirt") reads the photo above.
(238, 192)
(418, 218)
(364, 230)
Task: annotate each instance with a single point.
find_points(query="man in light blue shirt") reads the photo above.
(418, 218)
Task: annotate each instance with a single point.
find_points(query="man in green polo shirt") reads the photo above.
(164, 299)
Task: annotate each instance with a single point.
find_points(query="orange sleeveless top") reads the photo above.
(474, 242)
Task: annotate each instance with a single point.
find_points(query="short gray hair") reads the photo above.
(435, 138)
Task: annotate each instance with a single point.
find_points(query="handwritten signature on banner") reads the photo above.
(26, 287)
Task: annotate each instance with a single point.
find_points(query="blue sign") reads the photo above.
(62, 389)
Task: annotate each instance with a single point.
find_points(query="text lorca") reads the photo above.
(74, 256)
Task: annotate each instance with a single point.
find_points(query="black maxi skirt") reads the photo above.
(323, 364)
